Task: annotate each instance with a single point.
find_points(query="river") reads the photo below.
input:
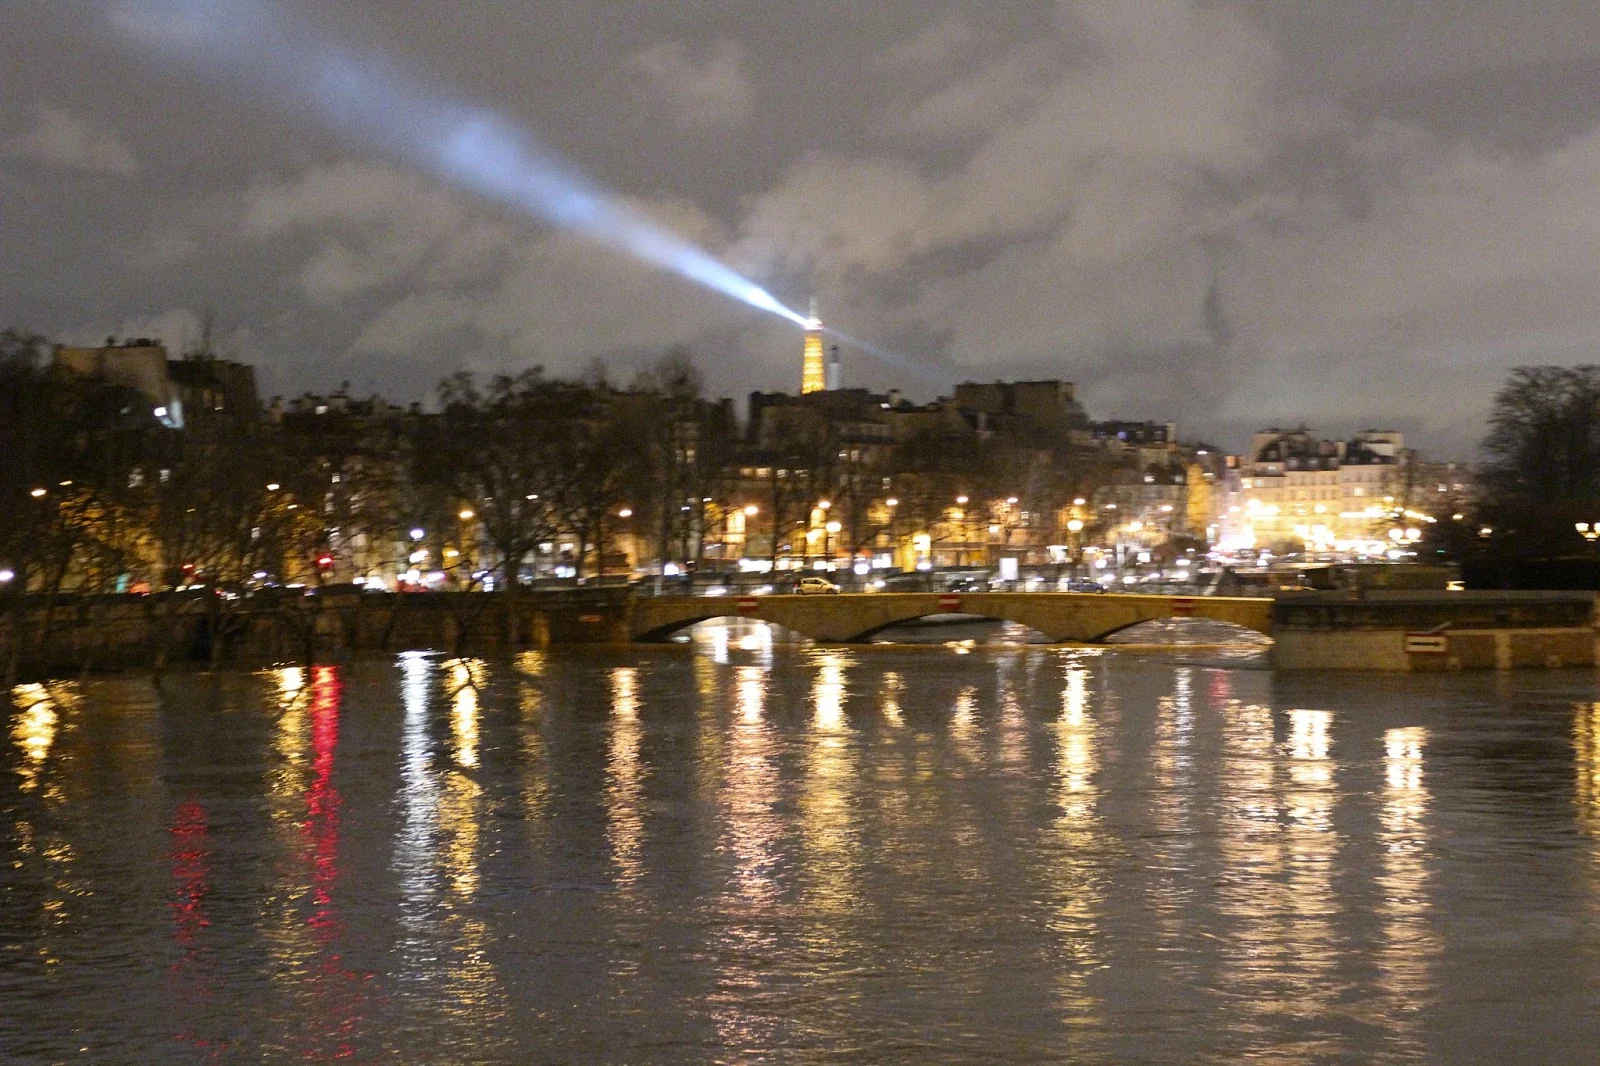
(740, 851)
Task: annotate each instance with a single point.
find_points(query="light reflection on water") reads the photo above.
(806, 853)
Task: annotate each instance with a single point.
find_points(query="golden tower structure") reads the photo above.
(813, 370)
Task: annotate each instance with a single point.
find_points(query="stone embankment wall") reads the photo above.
(130, 632)
(1406, 631)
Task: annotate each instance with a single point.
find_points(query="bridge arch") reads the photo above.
(666, 631)
(966, 617)
(1225, 629)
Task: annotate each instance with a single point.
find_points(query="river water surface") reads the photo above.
(734, 852)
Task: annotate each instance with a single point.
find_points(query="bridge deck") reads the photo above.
(848, 617)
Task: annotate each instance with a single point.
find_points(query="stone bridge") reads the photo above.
(854, 617)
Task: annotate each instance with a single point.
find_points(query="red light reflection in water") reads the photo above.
(190, 857)
(1221, 688)
(338, 993)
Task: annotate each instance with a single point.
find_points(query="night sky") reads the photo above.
(1350, 212)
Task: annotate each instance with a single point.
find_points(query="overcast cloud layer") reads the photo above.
(1347, 212)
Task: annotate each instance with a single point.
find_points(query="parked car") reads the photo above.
(1085, 586)
(815, 586)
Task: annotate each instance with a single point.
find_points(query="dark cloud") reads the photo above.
(1226, 214)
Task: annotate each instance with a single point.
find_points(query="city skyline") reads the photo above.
(1230, 216)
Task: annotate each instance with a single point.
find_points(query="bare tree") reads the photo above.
(1543, 473)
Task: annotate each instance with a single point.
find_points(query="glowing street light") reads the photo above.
(36, 493)
(751, 510)
(418, 534)
(467, 515)
(273, 486)
(1075, 525)
(962, 500)
(626, 512)
(823, 505)
(891, 502)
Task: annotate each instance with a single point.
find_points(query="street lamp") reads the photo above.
(751, 510)
(626, 512)
(827, 542)
(1075, 527)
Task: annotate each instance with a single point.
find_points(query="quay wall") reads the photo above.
(1408, 631)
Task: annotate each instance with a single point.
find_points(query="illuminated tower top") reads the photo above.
(813, 370)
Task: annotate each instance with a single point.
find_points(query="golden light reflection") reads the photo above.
(707, 678)
(625, 778)
(827, 692)
(41, 714)
(889, 693)
(533, 760)
(749, 792)
(1012, 724)
(1277, 844)
(439, 848)
(1311, 844)
(1586, 764)
(532, 663)
(291, 682)
(1075, 732)
(964, 723)
(750, 838)
(1171, 806)
(752, 693)
(715, 638)
(291, 738)
(1410, 944)
(466, 678)
(1077, 873)
(33, 730)
(826, 808)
